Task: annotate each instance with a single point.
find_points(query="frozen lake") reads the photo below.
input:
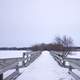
(11, 54)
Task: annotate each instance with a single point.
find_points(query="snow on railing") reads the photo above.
(73, 63)
(13, 63)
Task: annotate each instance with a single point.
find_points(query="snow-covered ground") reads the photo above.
(45, 68)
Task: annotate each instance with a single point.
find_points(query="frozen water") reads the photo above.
(75, 55)
(11, 54)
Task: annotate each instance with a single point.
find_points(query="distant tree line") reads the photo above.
(14, 48)
(60, 44)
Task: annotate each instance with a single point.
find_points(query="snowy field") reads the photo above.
(43, 68)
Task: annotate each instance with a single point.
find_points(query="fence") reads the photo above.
(14, 63)
(73, 63)
(29, 57)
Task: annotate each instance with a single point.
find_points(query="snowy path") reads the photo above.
(45, 68)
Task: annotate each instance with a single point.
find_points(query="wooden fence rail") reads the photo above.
(73, 63)
(29, 57)
(14, 63)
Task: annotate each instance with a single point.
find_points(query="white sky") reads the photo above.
(26, 22)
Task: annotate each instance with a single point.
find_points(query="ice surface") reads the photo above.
(75, 54)
(45, 68)
(10, 54)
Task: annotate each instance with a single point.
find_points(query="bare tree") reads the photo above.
(65, 42)
(58, 40)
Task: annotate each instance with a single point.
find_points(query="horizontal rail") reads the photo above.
(13, 76)
(11, 59)
(7, 67)
(13, 63)
(74, 75)
(10, 63)
(74, 63)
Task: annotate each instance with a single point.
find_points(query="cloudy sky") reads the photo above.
(26, 22)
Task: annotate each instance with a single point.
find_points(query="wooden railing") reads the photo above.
(73, 63)
(14, 63)
(29, 57)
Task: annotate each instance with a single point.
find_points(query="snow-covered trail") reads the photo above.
(44, 68)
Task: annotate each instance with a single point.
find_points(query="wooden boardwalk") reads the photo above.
(28, 57)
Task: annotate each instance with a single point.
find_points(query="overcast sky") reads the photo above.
(26, 22)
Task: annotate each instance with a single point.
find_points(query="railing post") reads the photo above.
(1, 76)
(63, 63)
(24, 59)
(28, 57)
(70, 68)
(17, 68)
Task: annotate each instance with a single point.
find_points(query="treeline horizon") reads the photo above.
(38, 48)
(59, 44)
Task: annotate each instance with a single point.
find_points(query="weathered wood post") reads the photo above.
(17, 68)
(63, 63)
(24, 59)
(70, 68)
(27, 57)
(1, 76)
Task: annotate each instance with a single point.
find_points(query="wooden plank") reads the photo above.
(75, 66)
(13, 76)
(75, 63)
(33, 57)
(7, 67)
(33, 52)
(11, 59)
(74, 75)
(9, 63)
(1, 76)
(76, 60)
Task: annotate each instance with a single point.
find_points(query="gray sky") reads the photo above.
(26, 22)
